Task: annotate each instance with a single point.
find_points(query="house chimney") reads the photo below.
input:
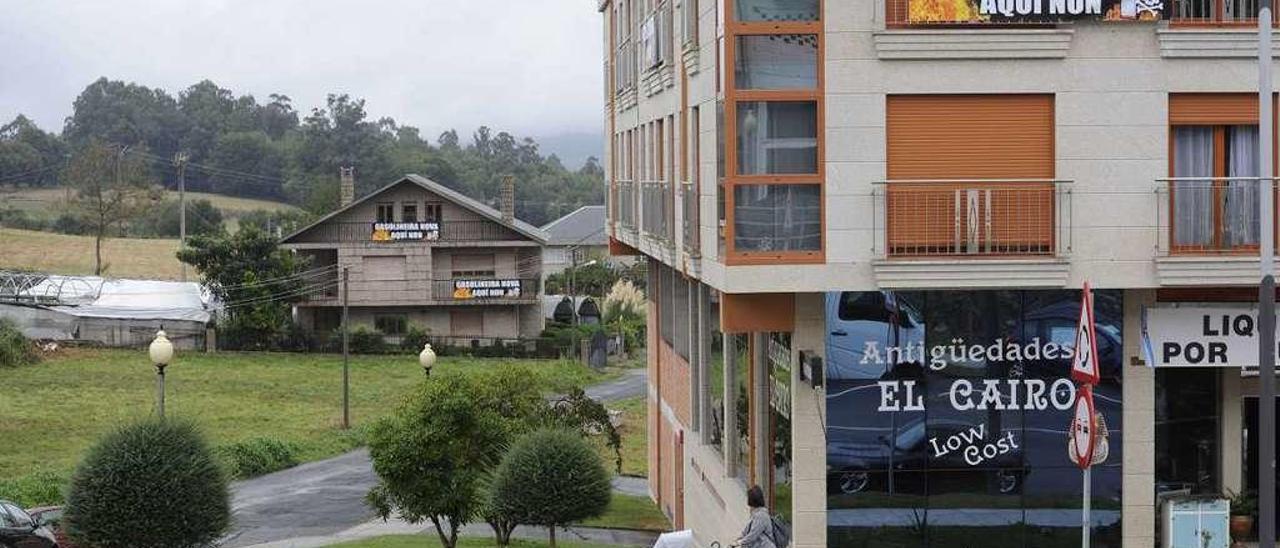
(509, 199)
(347, 191)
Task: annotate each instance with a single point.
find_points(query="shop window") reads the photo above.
(409, 213)
(715, 361)
(777, 218)
(680, 312)
(741, 363)
(386, 212)
(776, 61)
(1187, 423)
(777, 137)
(921, 468)
(777, 11)
(1215, 191)
(778, 356)
(391, 325)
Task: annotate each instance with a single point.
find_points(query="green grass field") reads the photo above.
(430, 541)
(55, 410)
(634, 431)
(628, 512)
(67, 254)
(47, 201)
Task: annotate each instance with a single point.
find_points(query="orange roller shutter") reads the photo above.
(970, 137)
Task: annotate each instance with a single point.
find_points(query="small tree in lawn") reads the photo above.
(551, 477)
(433, 456)
(154, 484)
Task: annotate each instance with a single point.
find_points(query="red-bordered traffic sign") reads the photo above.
(1083, 426)
(1084, 365)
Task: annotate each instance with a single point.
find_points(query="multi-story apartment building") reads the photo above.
(417, 253)
(868, 223)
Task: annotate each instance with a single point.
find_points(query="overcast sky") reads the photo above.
(532, 67)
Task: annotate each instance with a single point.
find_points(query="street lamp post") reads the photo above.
(427, 358)
(161, 351)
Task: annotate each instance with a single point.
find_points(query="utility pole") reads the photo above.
(346, 362)
(180, 160)
(1266, 291)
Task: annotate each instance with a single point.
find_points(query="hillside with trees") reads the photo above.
(236, 145)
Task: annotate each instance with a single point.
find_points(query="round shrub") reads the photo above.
(551, 477)
(153, 484)
(15, 349)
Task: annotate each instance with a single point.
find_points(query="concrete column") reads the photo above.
(1230, 429)
(808, 433)
(1138, 507)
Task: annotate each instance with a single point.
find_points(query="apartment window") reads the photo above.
(431, 213)
(474, 266)
(690, 22)
(386, 212)
(409, 213)
(984, 207)
(777, 217)
(777, 137)
(1215, 189)
(776, 61)
(777, 11)
(391, 325)
(659, 158)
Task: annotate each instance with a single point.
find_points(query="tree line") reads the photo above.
(236, 145)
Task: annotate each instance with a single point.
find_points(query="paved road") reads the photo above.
(324, 498)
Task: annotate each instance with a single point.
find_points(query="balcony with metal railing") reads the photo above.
(655, 210)
(625, 215)
(1207, 230)
(926, 231)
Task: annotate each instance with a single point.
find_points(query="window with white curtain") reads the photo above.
(1215, 192)
(777, 137)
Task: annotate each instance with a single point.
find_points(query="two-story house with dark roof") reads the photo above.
(416, 253)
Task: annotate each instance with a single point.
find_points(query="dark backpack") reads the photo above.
(779, 531)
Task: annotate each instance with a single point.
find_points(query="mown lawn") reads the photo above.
(152, 259)
(430, 541)
(55, 410)
(635, 441)
(628, 512)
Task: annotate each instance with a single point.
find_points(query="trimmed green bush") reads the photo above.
(152, 484)
(15, 349)
(257, 456)
(363, 340)
(551, 477)
(43, 488)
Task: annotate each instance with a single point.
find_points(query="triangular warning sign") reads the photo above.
(1084, 366)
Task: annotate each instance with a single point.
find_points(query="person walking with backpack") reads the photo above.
(760, 531)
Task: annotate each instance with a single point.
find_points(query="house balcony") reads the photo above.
(972, 233)
(1208, 230)
(457, 232)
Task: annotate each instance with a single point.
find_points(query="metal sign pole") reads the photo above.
(1088, 504)
(1266, 290)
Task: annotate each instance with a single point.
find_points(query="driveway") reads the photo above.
(326, 497)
